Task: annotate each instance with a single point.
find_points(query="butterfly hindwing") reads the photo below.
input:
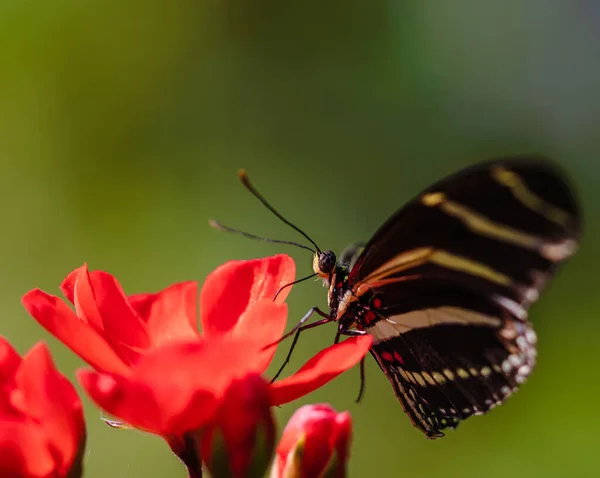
(451, 386)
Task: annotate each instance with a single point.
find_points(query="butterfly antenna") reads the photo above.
(291, 284)
(246, 182)
(217, 225)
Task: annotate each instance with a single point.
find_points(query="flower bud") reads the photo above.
(239, 442)
(315, 444)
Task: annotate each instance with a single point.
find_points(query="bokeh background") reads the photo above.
(122, 126)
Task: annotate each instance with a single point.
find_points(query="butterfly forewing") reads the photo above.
(445, 284)
(497, 228)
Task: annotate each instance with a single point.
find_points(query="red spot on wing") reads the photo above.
(369, 318)
(387, 356)
(398, 357)
(377, 302)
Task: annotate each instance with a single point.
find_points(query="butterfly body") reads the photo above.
(445, 284)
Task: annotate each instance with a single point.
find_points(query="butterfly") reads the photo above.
(444, 286)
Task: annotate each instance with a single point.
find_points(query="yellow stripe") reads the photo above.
(481, 224)
(528, 198)
(485, 227)
(474, 268)
(396, 325)
(404, 260)
(416, 257)
(374, 284)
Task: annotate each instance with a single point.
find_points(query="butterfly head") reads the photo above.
(324, 263)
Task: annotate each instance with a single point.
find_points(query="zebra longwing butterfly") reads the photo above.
(444, 286)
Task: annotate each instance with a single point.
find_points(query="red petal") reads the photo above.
(53, 314)
(68, 285)
(320, 369)
(170, 314)
(265, 323)
(233, 288)
(146, 407)
(243, 416)
(100, 300)
(24, 451)
(317, 449)
(322, 430)
(162, 397)
(9, 360)
(130, 401)
(172, 389)
(84, 299)
(326, 432)
(52, 400)
(295, 428)
(344, 435)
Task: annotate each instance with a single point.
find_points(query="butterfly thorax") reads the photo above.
(345, 306)
(339, 293)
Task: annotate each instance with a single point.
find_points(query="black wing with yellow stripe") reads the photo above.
(500, 226)
(444, 286)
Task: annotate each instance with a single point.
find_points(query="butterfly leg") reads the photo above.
(342, 330)
(347, 333)
(296, 330)
(361, 390)
(299, 325)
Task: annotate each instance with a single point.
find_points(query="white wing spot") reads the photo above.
(506, 366)
(531, 336)
(525, 370)
(515, 360)
(559, 251)
(522, 343)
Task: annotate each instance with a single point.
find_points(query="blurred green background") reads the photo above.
(122, 126)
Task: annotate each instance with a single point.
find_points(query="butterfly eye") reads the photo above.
(327, 262)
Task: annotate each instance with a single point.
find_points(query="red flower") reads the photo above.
(315, 444)
(113, 332)
(154, 369)
(42, 431)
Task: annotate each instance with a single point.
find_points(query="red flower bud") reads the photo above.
(42, 431)
(315, 444)
(239, 442)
